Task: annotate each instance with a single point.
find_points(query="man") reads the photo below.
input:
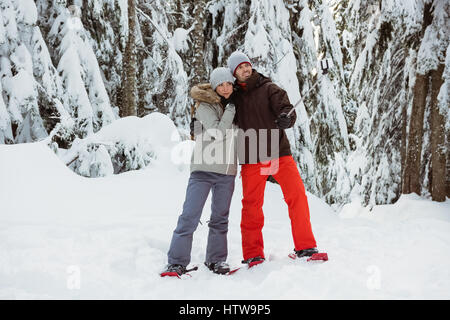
(263, 107)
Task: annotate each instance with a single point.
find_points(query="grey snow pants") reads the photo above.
(199, 185)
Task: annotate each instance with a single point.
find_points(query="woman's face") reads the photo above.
(225, 89)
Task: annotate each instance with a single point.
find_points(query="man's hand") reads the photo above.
(283, 121)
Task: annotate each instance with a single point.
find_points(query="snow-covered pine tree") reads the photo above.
(429, 156)
(411, 173)
(227, 23)
(442, 146)
(425, 157)
(198, 35)
(303, 44)
(106, 23)
(87, 99)
(164, 81)
(378, 87)
(128, 89)
(328, 124)
(6, 135)
(17, 74)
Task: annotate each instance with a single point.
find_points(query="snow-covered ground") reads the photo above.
(63, 236)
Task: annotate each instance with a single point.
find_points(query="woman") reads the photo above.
(213, 167)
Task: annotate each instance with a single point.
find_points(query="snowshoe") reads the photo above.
(306, 252)
(218, 267)
(232, 271)
(249, 262)
(176, 270)
(253, 261)
(312, 253)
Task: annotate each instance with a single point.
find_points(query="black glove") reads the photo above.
(195, 127)
(192, 127)
(283, 121)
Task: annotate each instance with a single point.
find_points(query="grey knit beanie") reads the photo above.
(236, 59)
(220, 75)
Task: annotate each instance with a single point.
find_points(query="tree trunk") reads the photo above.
(128, 90)
(199, 71)
(438, 160)
(404, 141)
(411, 176)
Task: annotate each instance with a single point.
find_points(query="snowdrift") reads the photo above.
(129, 143)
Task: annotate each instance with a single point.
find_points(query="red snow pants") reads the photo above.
(254, 176)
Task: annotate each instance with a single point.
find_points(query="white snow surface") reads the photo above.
(63, 236)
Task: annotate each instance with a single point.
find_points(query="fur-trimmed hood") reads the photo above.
(204, 93)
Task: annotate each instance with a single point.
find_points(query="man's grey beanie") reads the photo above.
(236, 59)
(220, 75)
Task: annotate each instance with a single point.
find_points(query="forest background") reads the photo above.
(374, 127)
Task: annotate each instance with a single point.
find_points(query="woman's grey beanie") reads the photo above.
(236, 59)
(220, 75)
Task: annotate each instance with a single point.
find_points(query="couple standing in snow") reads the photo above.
(244, 120)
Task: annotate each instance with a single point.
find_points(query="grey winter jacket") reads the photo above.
(215, 147)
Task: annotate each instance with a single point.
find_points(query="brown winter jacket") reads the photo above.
(257, 107)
